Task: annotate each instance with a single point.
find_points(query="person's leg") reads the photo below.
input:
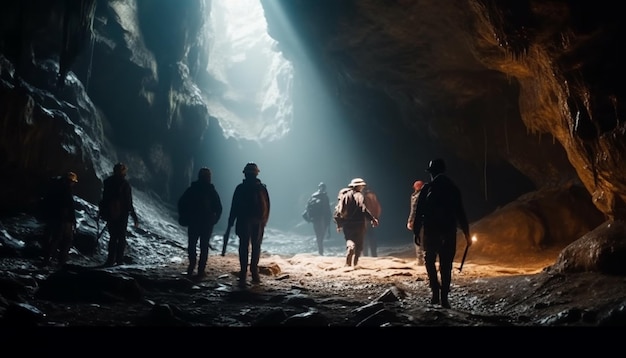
(192, 241)
(320, 232)
(359, 238)
(53, 232)
(244, 245)
(67, 237)
(256, 241)
(446, 257)
(349, 251)
(121, 243)
(112, 246)
(205, 240)
(373, 245)
(431, 245)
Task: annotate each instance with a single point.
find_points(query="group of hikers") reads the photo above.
(436, 211)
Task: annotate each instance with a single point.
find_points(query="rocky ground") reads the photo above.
(305, 290)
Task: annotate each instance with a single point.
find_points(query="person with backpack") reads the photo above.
(417, 188)
(370, 244)
(250, 209)
(440, 211)
(59, 214)
(115, 207)
(318, 212)
(199, 208)
(351, 216)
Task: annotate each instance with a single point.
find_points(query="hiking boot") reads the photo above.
(242, 279)
(256, 278)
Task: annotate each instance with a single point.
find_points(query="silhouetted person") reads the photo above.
(115, 206)
(202, 207)
(60, 218)
(440, 211)
(370, 244)
(250, 208)
(353, 219)
(318, 212)
(419, 252)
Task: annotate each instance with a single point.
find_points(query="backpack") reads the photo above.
(314, 207)
(344, 199)
(184, 209)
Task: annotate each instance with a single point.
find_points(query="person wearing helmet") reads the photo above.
(115, 207)
(201, 207)
(417, 188)
(318, 212)
(250, 209)
(354, 217)
(440, 211)
(60, 218)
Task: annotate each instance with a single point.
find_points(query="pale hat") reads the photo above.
(357, 182)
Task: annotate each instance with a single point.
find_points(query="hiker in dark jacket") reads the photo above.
(115, 206)
(354, 224)
(440, 211)
(250, 208)
(60, 217)
(203, 207)
(318, 212)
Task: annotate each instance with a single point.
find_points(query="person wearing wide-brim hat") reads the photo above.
(354, 221)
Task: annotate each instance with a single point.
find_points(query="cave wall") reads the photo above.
(523, 94)
(530, 83)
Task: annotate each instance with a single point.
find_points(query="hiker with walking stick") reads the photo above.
(440, 211)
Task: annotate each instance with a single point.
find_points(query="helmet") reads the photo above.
(357, 182)
(71, 176)
(120, 169)
(204, 173)
(436, 166)
(251, 168)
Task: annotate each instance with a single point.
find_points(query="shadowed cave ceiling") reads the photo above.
(516, 95)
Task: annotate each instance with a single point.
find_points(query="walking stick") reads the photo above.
(226, 237)
(464, 256)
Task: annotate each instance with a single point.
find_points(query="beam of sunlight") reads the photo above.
(251, 99)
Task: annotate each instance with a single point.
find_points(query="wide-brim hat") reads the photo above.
(357, 182)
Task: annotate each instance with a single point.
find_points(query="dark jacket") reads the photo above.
(117, 190)
(322, 209)
(251, 203)
(440, 208)
(202, 203)
(58, 201)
